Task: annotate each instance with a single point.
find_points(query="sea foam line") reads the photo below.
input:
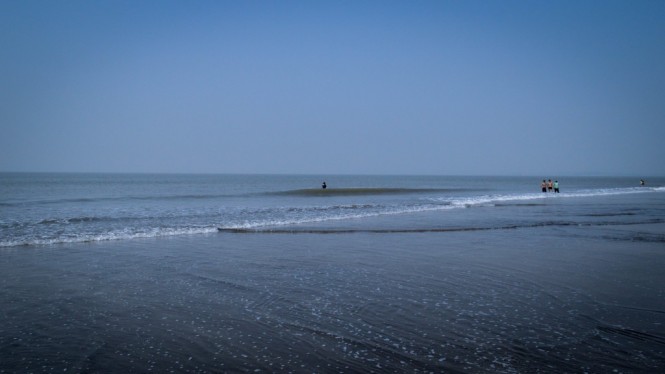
(490, 199)
(109, 236)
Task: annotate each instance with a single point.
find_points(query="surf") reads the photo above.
(87, 213)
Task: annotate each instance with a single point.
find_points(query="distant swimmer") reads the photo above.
(549, 185)
(642, 183)
(556, 186)
(544, 186)
(324, 185)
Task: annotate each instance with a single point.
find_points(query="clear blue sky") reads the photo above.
(329, 87)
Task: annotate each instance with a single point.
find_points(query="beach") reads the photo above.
(484, 281)
(514, 301)
(332, 187)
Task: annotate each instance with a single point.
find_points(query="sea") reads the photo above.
(164, 273)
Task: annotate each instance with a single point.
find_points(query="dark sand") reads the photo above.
(552, 299)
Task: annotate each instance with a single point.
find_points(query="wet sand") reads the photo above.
(551, 299)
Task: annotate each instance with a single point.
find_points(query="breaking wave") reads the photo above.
(108, 236)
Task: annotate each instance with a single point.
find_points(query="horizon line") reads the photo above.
(590, 175)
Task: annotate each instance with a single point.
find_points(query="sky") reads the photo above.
(333, 87)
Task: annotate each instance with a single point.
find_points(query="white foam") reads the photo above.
(493, 199)
(337, 217)
(116, 235)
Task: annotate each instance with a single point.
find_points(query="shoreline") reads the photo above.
(482, 301)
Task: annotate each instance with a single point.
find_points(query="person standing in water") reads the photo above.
(556, 186)
(549, 185)
(543, 186)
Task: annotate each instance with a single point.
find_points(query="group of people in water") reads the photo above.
(548, 186)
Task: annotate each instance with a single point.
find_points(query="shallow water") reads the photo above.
(44, 209)
(533, 284)
(522, 300)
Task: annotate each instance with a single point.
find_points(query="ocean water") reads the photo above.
(42, 209)
(235, 273)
